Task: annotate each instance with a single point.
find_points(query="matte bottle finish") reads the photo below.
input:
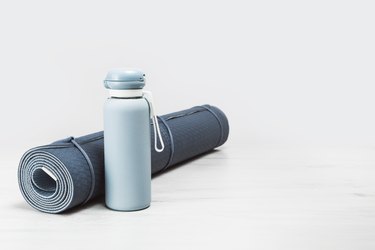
(127, 153)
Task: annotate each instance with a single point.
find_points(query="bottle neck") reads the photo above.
(126, 93)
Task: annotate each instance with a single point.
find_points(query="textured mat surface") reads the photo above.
(70, 172)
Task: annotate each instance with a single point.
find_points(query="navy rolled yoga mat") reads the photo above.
(70, 172)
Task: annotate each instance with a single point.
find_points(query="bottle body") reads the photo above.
(127, 153)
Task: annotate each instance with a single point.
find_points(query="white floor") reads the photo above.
(235, 198)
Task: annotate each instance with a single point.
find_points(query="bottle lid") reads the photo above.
(122, 79)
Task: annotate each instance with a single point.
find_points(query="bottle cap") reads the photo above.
(122, 79)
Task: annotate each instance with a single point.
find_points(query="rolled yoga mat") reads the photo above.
(70, 172)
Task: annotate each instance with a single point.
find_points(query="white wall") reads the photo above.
(285, 72)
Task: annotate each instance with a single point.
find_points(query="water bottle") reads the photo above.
(127, 140)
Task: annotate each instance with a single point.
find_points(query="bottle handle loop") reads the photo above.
(157, 134)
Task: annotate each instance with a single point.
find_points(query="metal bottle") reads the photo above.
(127, 143)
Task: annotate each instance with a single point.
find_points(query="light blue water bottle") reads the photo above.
(127, 143)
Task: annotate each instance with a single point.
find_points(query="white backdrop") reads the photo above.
(285, 72)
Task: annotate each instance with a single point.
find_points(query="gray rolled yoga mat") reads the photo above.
(70, 172)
